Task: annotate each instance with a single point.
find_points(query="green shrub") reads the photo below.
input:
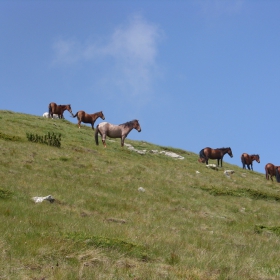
(49, 139)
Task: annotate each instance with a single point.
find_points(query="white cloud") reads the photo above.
(132, 48)
(220, 7)
(66, 52)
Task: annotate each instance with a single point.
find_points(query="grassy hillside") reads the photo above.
(185, 225)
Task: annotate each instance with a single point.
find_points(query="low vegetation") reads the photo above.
(183, 224)
(50, 139)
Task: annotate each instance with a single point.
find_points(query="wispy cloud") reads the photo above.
(220, 7)
(132, 48)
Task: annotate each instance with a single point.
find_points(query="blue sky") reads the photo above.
(194, 73)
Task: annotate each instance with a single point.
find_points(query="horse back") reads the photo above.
(85, 117)
(212, 153)
(110, 130)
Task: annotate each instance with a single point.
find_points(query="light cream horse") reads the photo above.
(115, 131)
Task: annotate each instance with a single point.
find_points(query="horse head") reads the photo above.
(101, 115)
(136, 125)
(68, 108)
(229, 152)
(257, 158)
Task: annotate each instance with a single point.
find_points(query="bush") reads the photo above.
(49, 139)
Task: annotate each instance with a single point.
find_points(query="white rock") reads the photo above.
(38, 199)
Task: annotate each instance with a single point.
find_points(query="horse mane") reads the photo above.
(129, 124)
(223, 148)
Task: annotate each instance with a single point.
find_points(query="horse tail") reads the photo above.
(202, 157)
(201, 154)
(277, 174)
(50, 109)
(74, 116)
(243, 160)
(266, 172)
(96, 134)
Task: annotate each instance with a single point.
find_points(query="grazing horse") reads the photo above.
(208, 153)
(248, 160)
(115, 131)
(47, 115)
(82, 116)
(272, 170)
(59, 109)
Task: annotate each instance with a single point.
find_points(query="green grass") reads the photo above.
(184, 226)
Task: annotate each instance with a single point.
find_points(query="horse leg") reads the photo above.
(248, 166)
(103, 140)
(104, 143)
(122, 141)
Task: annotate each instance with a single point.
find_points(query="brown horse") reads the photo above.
(82, 116)
(59, 109)
(208, 153)
(272, 170)
(115, 131)
(248, 160)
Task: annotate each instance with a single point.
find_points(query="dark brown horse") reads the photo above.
(208, 153)
(59, 109)
(115, 131)
(248, 160)
(272, 170)
(82, 116)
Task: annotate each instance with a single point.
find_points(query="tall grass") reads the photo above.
(185, 225)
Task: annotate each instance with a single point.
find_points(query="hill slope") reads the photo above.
(183, 225)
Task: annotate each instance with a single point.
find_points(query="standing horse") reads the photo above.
(115, 131)
(82, 116)
(272, 170)
(248, 160)
(208, 153)
(59, 109)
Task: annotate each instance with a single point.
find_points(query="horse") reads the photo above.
(272, 170)
(47, 115)
(115, 131)
(59, 109)
(248, 160)
(82, 116)
(209, 153)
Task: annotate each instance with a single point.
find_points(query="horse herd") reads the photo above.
(122, 130)
(104, 128)
(246, 159)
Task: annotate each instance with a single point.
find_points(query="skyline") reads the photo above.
(195, 74)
